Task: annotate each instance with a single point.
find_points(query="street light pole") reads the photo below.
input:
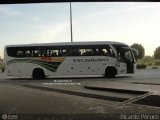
(71, 22)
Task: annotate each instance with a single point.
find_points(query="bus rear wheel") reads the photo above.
(38, 73)
(110, 72)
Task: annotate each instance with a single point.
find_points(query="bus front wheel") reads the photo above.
(110, 72)
(38, 73)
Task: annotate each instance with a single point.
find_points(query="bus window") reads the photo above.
(28, 53)
(128, 56)
(78, 52)
(20, 53)
(61, 52)
(45, 53)
(75, 52)
(53, 53)
(95, 52)
(124, 54)
(87, 52)
(109, 52)
(36, 53)
(101, 51)
(69, 52)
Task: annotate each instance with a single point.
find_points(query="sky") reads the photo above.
(127, 22)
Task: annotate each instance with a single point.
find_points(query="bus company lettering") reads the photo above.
(90, 60)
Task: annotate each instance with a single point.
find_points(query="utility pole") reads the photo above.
(71, 22)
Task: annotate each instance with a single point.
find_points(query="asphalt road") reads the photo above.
(68, 96)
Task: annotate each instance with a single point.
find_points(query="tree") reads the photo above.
(157, 53)
(140, 48)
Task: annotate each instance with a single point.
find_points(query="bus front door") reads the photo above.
(130, 66)
(129, 59)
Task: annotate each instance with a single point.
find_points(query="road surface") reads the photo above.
(82, 97)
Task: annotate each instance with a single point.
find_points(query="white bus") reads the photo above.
(69, 59)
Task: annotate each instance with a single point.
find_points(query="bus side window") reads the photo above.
(45, 53)
(20, 53)
(48, 53)
(95, 52)
(88, 52)
(36, 53)
(53, 53)
(82, 52)
(101, 51)
(109, 52)
(68, 52)
(64, 53)
(76, 52)
(28, 54)
(61, 52)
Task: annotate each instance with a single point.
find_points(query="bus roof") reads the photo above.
(68, 43)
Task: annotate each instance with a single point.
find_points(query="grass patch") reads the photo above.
(157, 63)
(1, 66)
(148, 61)
(141, 66)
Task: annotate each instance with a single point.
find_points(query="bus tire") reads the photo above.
(110, 72)
(38, 73)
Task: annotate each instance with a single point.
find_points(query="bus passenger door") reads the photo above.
(129, 58)
(130, 66)
(126, 61)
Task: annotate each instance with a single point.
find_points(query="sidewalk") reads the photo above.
(105, 90)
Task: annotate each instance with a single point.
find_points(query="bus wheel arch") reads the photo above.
(38, 73)
(110, 72)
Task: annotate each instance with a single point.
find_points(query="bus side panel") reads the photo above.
(122, 68)
(88, 65)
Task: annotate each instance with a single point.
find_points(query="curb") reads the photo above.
(116, 90)
(89, 95)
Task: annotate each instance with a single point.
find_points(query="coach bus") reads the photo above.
(69, 59)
